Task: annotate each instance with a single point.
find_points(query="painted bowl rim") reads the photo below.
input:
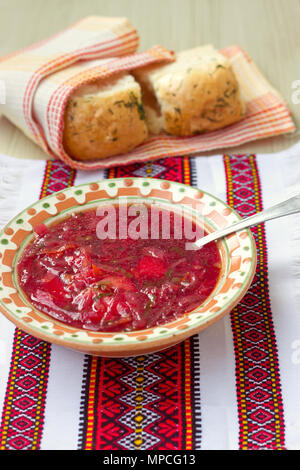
(119, 344)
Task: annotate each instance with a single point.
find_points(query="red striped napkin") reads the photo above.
(96, 48)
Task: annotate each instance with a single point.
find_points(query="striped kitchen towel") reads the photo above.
(39, 80)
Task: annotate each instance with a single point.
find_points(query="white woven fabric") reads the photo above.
(218, 404)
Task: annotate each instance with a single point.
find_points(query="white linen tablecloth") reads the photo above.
(218, 420)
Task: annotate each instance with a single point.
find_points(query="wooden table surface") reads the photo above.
(267, 29)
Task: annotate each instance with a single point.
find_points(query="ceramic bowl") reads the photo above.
(238, 254)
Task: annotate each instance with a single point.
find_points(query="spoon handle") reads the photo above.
(290, 206)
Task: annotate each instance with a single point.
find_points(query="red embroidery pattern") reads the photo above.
(144, 402)
(24, 405)
(260, 410)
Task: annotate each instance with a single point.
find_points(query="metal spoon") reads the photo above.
(288, 207)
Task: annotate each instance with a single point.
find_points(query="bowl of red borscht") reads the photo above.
(108, 268)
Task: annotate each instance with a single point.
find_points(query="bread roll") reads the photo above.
(196, 93)
(104, 119)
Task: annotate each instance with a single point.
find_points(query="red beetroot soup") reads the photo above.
(119, 284)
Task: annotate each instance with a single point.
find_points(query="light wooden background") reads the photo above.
(269, 30)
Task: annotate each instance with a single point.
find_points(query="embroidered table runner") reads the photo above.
(233, 386)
